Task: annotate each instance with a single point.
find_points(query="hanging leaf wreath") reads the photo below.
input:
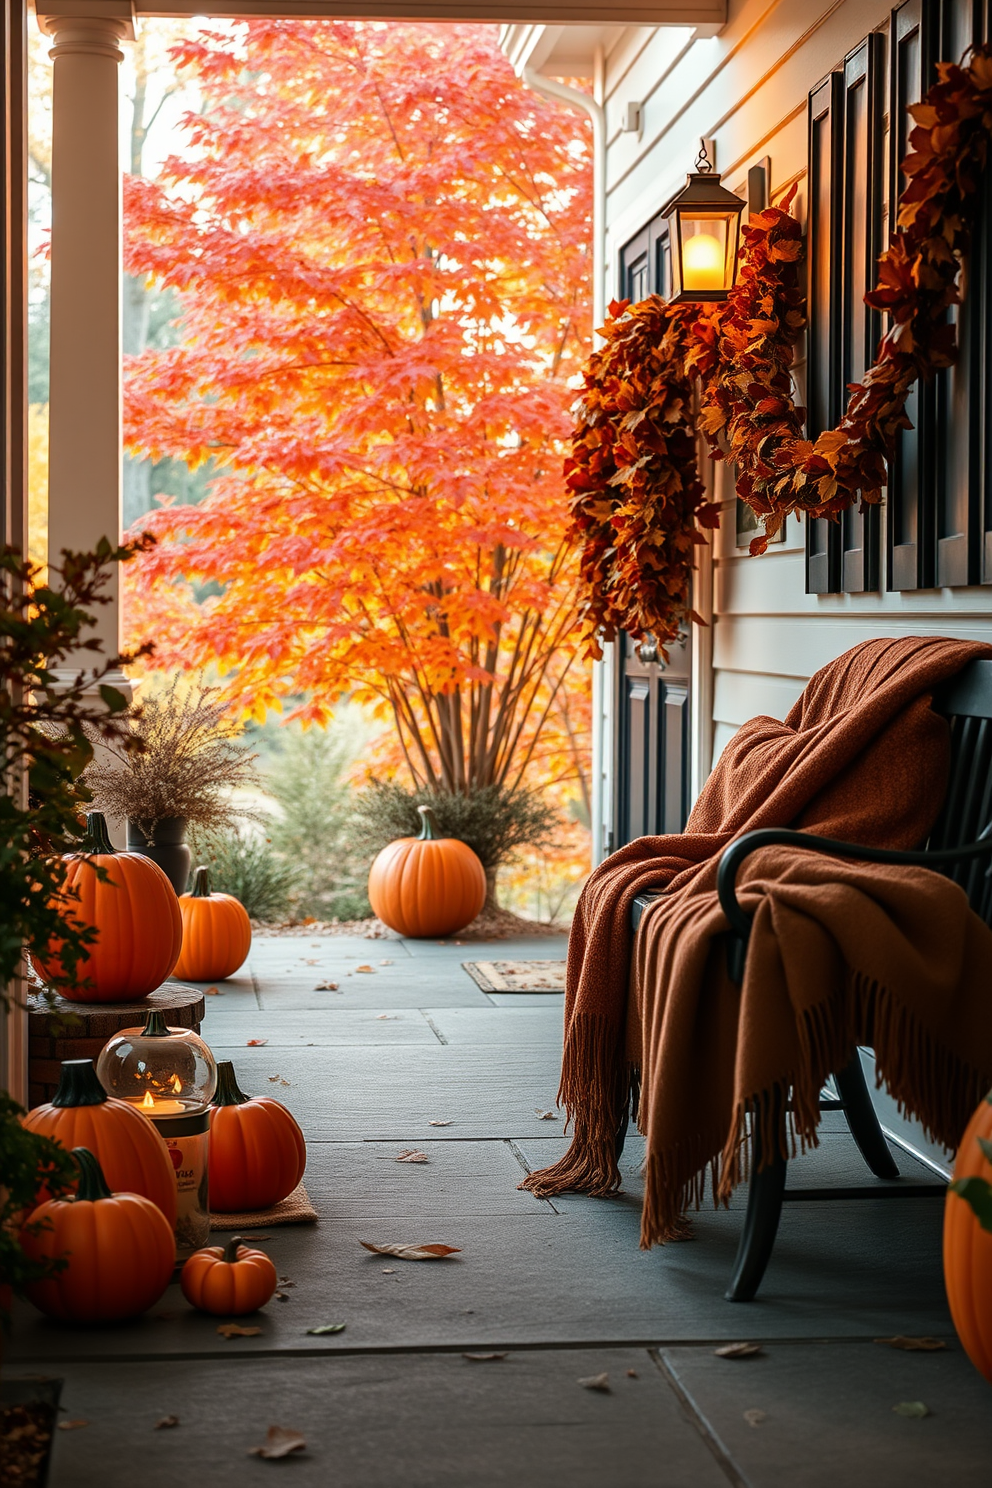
(665, 372)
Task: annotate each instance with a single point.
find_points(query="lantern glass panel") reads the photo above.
(163, 1071)
(708, 252)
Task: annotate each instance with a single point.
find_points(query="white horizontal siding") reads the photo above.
(747, 89)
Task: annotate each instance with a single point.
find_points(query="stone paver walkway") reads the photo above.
(562, 1289)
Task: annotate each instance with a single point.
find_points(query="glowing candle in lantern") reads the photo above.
(152, 1107)
(703, 262)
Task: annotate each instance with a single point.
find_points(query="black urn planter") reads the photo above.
(169, 849)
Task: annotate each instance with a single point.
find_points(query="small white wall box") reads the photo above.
(631, 118)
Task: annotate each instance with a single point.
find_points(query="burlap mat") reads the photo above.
(297, 1209)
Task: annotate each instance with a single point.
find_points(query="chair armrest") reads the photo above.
(734, 855)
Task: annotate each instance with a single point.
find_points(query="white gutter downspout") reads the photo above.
(601, 671)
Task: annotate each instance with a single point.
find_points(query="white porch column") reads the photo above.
(85, 409)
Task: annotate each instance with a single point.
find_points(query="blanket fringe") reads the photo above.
(596, 1088)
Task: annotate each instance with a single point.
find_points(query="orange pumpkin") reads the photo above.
(228, 1280)
(428, 885)
(257, 1151)
(968, 1244)
(133, 1156)
(216, 933)
(136, 914)
(118, 1247)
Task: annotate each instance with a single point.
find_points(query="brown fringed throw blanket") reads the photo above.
(841, 953)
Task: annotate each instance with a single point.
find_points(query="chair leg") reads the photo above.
(764, 1207)
(622, 1130)
(861, 1118)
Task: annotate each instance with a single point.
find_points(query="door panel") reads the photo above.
(652, 775)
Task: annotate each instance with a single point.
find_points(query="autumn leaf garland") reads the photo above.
(638, 505)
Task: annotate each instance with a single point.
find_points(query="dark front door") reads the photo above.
(652, 742)
(651, 703)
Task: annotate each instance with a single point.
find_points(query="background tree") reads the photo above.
(379, 240)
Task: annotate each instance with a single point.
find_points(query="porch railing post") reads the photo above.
(85, 390)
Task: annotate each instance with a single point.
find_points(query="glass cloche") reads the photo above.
(163, 1071)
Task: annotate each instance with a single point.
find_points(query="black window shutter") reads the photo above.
(823, 365)
(863, 185)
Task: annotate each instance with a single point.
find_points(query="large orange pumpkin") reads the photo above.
(968, 1243)
(228, 1280)
(118, 1247)
(130, 1151)
(135, 912)
(428, 885)
(216, 933)
(257, 1151)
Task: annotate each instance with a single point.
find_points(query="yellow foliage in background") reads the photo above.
(38, 483)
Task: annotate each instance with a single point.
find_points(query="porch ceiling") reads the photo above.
(562, 12)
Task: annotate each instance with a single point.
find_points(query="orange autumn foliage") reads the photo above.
(380, 240)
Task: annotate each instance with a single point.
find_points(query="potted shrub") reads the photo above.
(182, 775)
(47, 725)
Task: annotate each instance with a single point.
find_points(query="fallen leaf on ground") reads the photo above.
(281, 1296)
(388, 1271)
(440, 1123)
(755, 1417)
(235, 1330)
(386, 1017)
(484, 1358)
(596, 1382)
(632, 1374)
(413, 1252)
(277, 1080)
(284, 1281)
(309, 961)
(326, 987)
(212, 992)
(327, 1328)
(545, 1115)
(385, 963)
(165, 1423)
(738, 1350)
(411, 1155)
(72, 1425)
(913, 1345)
(915, 1410)
(256, 1043)
(366, 968)
(279, 1442)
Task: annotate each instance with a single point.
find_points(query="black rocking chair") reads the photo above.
(958, 845)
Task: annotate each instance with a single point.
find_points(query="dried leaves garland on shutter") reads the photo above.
(664, 373)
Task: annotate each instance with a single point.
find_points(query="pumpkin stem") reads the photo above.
(155, 1025)
(98, 838)
(229, 1092)
(231, 1248)
(92, 1183)
(201, 884)
(429, 830)
(78, 1085)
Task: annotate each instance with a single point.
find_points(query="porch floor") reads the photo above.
(562, 1287)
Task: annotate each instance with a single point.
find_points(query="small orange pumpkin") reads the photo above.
(428, 885)
(216, 933)
(118, 1248)
(135, 912)
(257, 1152)
(133, 1156)
(229, 1280)
(968, 1241)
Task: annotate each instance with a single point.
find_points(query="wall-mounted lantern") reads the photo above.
(704, 231)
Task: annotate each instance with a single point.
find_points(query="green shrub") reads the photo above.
(314, 830)
(493, 821)
(246, 864)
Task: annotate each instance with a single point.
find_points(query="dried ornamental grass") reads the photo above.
(187, 763)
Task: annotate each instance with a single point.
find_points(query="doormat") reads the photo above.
(517, 976)
(297, 1209)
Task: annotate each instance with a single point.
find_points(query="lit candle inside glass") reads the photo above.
(152, 1107)
(702, 262)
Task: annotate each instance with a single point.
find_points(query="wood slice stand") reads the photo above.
(96, 1022)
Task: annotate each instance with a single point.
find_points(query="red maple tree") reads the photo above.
(380, 242)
